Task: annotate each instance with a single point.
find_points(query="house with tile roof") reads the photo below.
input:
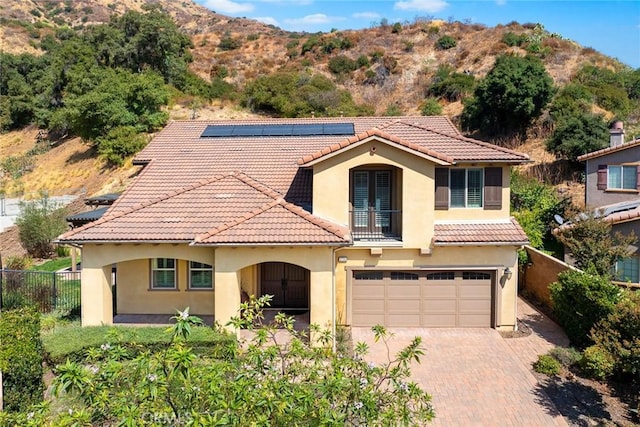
(397, 221)
(612, 190)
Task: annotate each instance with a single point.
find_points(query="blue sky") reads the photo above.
(611, 27)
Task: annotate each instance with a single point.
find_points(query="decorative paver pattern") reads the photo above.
(476, 377)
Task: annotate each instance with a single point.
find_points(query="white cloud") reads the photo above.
(366, 15)
(228, 6)
(430, 6)
(267, 20)
(501, 2)
(315, 19)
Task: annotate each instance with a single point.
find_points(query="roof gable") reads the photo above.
(603, 152)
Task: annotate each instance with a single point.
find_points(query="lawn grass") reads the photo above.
(53, 265)
(72, 341)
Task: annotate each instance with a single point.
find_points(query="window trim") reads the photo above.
(617, 268)
(210, 268)
(154, 268)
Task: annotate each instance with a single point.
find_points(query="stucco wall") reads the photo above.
(134, 295)
(540, 272)
(595, 197)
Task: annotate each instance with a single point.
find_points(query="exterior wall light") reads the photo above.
(508, 274)
(342, 259)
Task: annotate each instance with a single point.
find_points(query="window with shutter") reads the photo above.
(602, 177)
(622, 177)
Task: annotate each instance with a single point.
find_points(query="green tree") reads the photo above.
(431, 107)
(578, 134)
(39, 223)
(514, 92)
(450, 85)
(591, 243)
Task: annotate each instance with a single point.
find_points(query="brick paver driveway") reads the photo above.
(474, 376)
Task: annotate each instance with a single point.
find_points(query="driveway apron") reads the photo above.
(473, 375)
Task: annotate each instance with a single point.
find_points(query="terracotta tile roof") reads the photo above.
(489, 233)
(449, 147)
(185, 214)
(615, 213)
(608, 150)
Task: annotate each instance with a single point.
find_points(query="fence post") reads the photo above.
(54, 302)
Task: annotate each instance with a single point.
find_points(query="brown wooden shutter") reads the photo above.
(602, 177)
(638, 178)
(442, 189)
(493, 188)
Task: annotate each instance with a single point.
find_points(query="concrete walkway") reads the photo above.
(477, 377)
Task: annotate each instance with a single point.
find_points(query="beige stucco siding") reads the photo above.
(494, 258)
(134, 295)
(331, 187)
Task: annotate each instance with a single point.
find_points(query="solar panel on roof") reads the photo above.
(297, 129)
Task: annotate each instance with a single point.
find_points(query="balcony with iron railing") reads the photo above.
(376, 225)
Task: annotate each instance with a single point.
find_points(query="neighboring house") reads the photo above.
(612, 189)
(612, 173)
(361, 221)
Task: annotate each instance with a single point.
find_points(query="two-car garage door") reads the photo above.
(422, 298)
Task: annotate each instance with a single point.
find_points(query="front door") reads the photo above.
(287, 283)
(371, 201)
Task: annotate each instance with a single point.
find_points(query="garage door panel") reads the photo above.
(438, 320)
(368, 305)
(403, 320)
(479, 290)
(439, 306)
(474, 306)
(370, 319)
(439, 291)
(403, 291)
(474, 321)
(403, 306)
(368, 291)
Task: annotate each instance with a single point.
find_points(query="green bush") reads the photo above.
(580, 300)
(268, 383)
(450, 85)
(21, 357)
(597, 362)
(396, 28)
(431, 107)
(567, 356)
(446, 42)
(342, 65)
(513, 39)
(120, 143)
(39, 223)
(547, 365)
(362, 61)
(619, 335)
(578, 134)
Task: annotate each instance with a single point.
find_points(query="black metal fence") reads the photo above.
(46, 290)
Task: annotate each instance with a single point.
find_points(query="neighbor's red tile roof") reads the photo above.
(193, 187)
(608, 150)
(494, 233)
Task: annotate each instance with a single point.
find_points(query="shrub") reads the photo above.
(431, 107)
(597, 362)
(451, 85)
(619, 335)
(362, 61)
(568, 357)
(547, 365)
(580, 300)
(446, 42)
(21, 357)
(578, 134)
(40, 222)
(396, 28)
(513, 39)
(229, 43)
(342, 64)
(120, 143)
(267, 383)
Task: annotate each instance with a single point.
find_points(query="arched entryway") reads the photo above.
(287, 283)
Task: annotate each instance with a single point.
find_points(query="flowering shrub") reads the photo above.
(279, 376)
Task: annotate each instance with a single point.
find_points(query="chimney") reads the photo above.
(616, 134)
